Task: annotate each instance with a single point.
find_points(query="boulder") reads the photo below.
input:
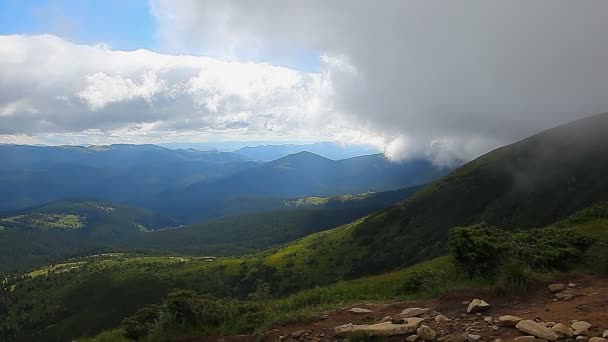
(509, 320)
(605, 334)
(524, 339)
(562, 330)
(414, 312)
(580, 325)
(360, 310)
(597, 339)
(568, 294)
(378, 329)
(426, 333)
(477, 305)
(582, 332)
(536, 329)
(555, 288)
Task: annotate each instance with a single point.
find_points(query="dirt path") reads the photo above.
(590, 304)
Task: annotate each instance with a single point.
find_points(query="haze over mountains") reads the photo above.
(190, 184)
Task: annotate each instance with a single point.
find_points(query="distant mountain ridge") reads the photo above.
(302, 174)
(325, 149)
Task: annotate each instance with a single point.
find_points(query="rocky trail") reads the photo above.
(574, 310)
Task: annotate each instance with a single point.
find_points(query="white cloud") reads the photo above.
(442, 79)
(50, 86)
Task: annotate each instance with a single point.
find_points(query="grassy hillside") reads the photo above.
(55, 303)
(66, 229)
(531, 183)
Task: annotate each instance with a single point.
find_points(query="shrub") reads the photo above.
(419, 280)
(514, 278)
(142, 322)
(478, 249)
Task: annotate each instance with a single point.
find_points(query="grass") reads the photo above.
(47, 221)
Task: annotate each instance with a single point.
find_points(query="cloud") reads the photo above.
(444, 79)
(49, 86)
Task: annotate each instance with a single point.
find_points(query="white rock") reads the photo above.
(488, 319)
(426, 333)
(524, 339)
(441, 318)
(509, 320)
(412, 338)
(537, 329)
(605, 334)
(562, 330)
(597, 339)
(473, 338)
(414, 312)
(477, 305)
(580, 325)
(378, 329)
(555, 288)
(360, 310)
(581, 332)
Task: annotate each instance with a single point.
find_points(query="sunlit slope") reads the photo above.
(530, 183)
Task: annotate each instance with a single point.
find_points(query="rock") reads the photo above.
(455, 338)
(360, 310)
(477, 305)
(378, 329)
(509, 320)
(298, 334)
(562, 330)
(416, 321)
(581, 332)
(525, 339)
(473, 338)
(414, 312)
(568, 294)
(582, 338)
(605, 334)
(397, 320)
(555, 288)
(580, 325)
(488, 319)
(498, 340)
(571, 285)
(412, 338)
(426, 333)
(385, 319)
(536, 329)
(597, 339)
(441, 318)
(549, 324)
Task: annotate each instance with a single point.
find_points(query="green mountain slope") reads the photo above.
(530, 183)
(65, 229)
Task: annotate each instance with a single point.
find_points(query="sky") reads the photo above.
(445, 80)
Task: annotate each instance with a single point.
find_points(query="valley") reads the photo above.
(252, 273)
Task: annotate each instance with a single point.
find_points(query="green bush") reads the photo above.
(478, 249)
(142, 322)
(514, 278)
(418, 281)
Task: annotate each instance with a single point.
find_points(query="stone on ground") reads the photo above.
(580, 325)
(555, 288)
(605, 334)
(426, 333)
(509, 320)
(562, 330)
(360, 310)
(412, 338)
(378, 329)
(597, 339)
(414, 312)
(441, 318)
(477, 305)
(537, 329)
(473, 338)
(524, 339)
